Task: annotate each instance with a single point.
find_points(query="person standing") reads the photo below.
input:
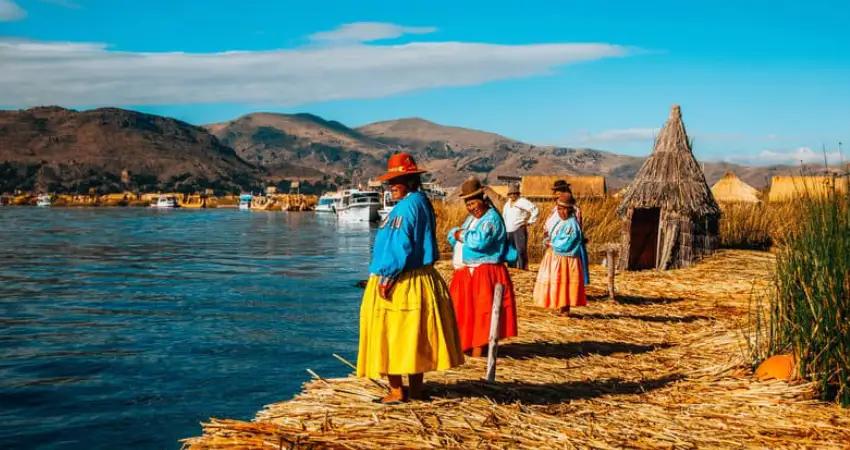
(407, 322)
(480, 252)
(563, 273)
(519, 213)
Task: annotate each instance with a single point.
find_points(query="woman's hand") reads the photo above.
(457, 235)
(384, 290)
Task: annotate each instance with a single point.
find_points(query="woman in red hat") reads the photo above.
(407, 324)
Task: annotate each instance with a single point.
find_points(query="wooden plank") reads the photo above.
(492, 351)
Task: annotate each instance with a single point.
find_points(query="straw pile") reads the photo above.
(731, 189)
(662, 366)
(788, 188)
(539, 187)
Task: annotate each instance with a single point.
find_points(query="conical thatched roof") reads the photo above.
(671, 178)
(730, 188)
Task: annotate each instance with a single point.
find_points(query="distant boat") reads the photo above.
(43, 201)
(328, 202)
(165, 202)
(387, 205)
(359, 206)
(245, 201)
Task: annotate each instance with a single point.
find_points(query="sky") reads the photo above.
(759, 82)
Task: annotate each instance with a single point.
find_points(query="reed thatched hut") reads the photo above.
(730, 189)
(539, 187)
(787, 188)
(670, 218)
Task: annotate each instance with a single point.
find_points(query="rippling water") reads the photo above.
(127, 327)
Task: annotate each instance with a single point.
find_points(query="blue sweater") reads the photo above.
(566, 239)
(407, 238)
(486, 243)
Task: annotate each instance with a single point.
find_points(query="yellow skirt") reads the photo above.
(414, 331)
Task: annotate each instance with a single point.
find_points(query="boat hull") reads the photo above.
(359, 213)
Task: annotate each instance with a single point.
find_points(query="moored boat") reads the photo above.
(359, 206)
(245, 201)
(43, 201)
(328, 202)
(165, 202)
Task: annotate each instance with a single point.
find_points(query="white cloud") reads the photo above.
(90, 74)
(10, 11)
(368, 31)
(804, 154)
(627, 135)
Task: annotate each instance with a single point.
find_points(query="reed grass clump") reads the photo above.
(808, 309)
(749, 225)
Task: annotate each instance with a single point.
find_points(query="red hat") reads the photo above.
(399, 165)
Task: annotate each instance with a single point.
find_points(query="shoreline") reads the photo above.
(662, 365)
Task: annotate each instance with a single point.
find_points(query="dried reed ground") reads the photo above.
(662, 366)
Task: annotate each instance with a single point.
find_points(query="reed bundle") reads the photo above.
(663, 365)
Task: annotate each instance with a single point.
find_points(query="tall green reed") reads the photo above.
(808, 311)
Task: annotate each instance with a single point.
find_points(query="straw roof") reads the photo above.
(730, 188)
(671, 178)
(791, 187)
(500, 190)
(536, 187)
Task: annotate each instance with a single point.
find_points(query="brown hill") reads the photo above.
(57, 149)
(302, 146)
(453, 153)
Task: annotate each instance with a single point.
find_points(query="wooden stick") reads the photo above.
(494, 332)
(609, 259)
(376, 382)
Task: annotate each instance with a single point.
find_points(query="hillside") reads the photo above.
(57, 149)
(301, 146)
(456, 152)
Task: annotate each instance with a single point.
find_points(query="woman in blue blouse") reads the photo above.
(407, 325)
(561, 281)
(480, 251)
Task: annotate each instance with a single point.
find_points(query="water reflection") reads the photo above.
(131, 326)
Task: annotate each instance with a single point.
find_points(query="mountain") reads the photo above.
(57, 149)
(455, 152)
(302, 146)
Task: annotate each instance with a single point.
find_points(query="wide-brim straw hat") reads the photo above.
(471, 188)
(400, 165)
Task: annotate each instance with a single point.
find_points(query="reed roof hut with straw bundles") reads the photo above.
(788, 188)
(730, 189)
(669, 215)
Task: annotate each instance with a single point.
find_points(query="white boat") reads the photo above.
(43, 201)
(165, 202)
(245, 201)
(328, 202)
(387, 206)
(359, 206)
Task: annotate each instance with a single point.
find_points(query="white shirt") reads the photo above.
(519, 213)
(457, 257)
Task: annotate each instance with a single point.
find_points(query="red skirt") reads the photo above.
(472, 296)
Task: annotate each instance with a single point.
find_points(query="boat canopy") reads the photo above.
(246, 197)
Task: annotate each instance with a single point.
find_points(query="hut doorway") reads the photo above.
(643, 249)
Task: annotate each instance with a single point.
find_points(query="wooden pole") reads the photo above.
(494, 332)
(609, 257)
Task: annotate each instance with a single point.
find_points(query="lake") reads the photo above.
(126, 327)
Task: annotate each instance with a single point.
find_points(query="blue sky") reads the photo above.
(758, 81)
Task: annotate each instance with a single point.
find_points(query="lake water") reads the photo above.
(126, 327)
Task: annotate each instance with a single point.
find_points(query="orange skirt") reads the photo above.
(472, 295)
(560, 282)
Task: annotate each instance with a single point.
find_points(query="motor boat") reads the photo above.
(43, 201)
(387, 205)
(359, 206)
(328, 202)
(245, 201)
(165, 202)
